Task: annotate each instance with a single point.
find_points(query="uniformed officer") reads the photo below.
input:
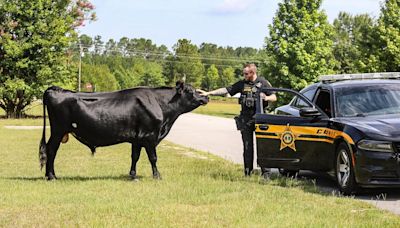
(245, 121)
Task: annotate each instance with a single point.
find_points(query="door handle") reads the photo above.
(263, 127)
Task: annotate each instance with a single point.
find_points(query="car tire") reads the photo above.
(344, 170)
(288, 173)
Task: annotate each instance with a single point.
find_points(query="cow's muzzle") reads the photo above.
(204, 100)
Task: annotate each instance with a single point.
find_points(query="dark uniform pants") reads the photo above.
(247, 132)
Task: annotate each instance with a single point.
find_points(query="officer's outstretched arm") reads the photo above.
(217, 92)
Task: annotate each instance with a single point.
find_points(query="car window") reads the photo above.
(323, 101)
(299, 103)
(368, 100)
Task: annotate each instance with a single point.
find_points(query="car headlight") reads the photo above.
(381, 146)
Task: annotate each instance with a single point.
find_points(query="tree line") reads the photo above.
(135, 62)
(39, 46)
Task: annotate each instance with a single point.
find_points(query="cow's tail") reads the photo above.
(43, 145)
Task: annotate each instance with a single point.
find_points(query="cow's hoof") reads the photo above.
(132, 174)
(157, 176)
(51, 177)
(135, 178)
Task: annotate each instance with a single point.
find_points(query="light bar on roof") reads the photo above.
(341, 77)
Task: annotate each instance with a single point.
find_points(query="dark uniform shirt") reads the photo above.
(246, 88)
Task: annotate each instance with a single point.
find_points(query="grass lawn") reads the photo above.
(197, 190)
(220, 107)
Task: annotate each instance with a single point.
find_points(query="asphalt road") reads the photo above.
(219, 136)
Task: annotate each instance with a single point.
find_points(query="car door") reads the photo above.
(294, 142)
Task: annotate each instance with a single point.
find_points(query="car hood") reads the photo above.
(377, 127)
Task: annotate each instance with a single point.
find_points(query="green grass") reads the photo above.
(96, 191)
(222, 108)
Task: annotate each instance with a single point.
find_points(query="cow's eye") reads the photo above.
(189, 93)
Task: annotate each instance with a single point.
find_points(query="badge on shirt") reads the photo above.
(247, 88)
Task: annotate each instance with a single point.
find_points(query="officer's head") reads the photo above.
(250, 72)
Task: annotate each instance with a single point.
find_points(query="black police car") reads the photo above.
(348, 124)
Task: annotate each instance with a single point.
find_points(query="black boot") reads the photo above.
(247, 172)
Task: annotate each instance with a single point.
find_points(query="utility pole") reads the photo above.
(80, 65)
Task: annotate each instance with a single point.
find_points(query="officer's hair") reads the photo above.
(251, 66)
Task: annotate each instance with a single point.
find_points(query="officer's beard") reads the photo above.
(251, 78)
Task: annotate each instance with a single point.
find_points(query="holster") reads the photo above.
(242, 123)
(239, 123)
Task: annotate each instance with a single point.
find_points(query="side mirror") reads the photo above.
(309, 112)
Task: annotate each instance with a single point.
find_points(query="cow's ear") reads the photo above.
(180, 85)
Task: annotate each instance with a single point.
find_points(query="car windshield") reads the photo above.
(368, 100)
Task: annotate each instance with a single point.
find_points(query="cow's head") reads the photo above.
(189, 97)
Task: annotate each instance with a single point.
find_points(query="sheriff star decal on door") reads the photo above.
(287, 139)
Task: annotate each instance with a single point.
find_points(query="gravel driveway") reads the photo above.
(219, 136)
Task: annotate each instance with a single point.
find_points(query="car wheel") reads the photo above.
(345, 170)
(288, 173)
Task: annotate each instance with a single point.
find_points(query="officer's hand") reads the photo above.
(263, 96)
(202, 92)
(269, 98)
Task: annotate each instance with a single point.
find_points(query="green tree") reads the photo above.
(126, 78)
(210, 81)
(152, 75)
(210, 54)
(187, 63)
(143, 48)
(299, 43)
(123, 46)
(34, 36)
(245, 52)
(141, 73)
(227, 77)
(100, 77)
(352, 42)
(98, 45)
(111, 48)
(389, 36)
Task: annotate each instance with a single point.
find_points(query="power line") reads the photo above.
(181, 61)
(207, 64)
(164, 55)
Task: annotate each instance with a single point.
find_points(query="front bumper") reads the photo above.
(377, 169)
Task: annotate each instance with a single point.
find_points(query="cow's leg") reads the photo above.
(151, 153)
(135, 157)
(52, 146)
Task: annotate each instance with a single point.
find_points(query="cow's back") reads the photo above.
(101, 119)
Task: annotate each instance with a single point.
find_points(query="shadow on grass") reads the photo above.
(319, 183)
(311, 182)
(26, 116)
(76, 178)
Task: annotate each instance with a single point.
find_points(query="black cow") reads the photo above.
(140, 116)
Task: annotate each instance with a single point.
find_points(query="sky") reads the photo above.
(223, 22)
